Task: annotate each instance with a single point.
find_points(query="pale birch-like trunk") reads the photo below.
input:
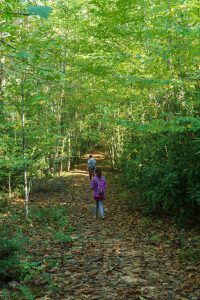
(62, 115)
(26, 192)
(113, 152)
(69, 152)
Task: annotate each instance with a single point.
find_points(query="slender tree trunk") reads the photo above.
(69, 152)
(9, 186)
(26, 193)
(55, 161)
(62, 155)
(118, 138)
(63, 115)
(113, 152)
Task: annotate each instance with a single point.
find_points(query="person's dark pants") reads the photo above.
(91, 173)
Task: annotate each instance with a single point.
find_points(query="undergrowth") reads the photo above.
(21, 273)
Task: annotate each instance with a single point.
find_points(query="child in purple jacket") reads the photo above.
(98, 185)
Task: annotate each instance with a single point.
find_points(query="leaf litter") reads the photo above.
(121, 257)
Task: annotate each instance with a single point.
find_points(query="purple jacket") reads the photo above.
(94, 186)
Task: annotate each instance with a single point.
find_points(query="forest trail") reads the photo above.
(125, 256)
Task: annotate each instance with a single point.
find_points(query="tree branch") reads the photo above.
(2, 41)
(14, 13)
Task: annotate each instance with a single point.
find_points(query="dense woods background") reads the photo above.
(79, 75)
(120, 76)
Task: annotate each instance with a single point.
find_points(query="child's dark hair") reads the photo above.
(90, 156)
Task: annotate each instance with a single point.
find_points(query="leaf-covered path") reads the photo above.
(125, 256)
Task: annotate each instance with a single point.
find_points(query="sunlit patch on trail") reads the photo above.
(97, 155)
(75, 173)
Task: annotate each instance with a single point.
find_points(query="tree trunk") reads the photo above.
(62, 155)
(113, 153)
(9, 186)
(26, 193)
(69, 152)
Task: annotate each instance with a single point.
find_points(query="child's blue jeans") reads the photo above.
(99, 207)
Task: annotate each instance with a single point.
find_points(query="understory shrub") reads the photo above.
(9, 263)
(50, 215)
(4, 202)
(190, 253)
(62, 237)
(165, 169)
(49, 185)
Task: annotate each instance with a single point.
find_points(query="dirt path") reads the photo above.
(122, 257)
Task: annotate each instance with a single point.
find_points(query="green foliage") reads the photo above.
(50, 215)
(12, 243)
(190, 254)
(104, 73)
(146, 221)
(190, 250)
(26, 292)
(165, 169)
(53, 287)
(4, 202)
(4, 294)
(22, 292)
(9, 263)
(155, 238)
(62, 237)
(30, 269)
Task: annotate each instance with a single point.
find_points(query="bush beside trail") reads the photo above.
(165, 171)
